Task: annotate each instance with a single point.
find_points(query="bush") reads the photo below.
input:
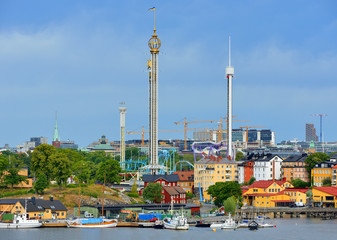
(133, 195)
(71, 186)
(14, 193)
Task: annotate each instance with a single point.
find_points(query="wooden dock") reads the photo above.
(324, 213)
(127, 224)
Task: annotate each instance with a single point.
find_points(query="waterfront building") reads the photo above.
(209, 170)
(36, 208)
(186, 180)
(322, 171)
(293, 167)
(325, 197)
(297, 195)
(310, 133)
(268, 194)
(267, 167)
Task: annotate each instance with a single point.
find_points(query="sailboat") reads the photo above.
(91, 222)
(176, 222)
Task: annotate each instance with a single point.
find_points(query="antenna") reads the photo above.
(229, 51)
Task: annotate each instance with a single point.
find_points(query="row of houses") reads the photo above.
(262, 167)
(267, 194)
(35, 208)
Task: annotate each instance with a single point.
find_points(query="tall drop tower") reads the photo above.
(122, 111)
(154, 44)
(230, 74)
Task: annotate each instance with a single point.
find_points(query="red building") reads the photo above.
(171, 191)
(248, 167)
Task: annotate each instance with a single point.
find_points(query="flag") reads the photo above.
(152, 9)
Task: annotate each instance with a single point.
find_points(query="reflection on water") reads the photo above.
(289, 229)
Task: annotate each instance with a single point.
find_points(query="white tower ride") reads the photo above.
(154, 45)
(230, 74)
(122, 111)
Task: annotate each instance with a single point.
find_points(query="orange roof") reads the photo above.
(174, 190)
(265, 183)
(335, 166)
(185, 175)
(329, 190)
(261, 194)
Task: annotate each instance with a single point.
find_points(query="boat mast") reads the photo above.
(103, 193)
(79, 198)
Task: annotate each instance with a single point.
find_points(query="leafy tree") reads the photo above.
(313, 159)
(12, 176)
(230, 205)
(152, 192)
(41, 163)
(109, 171)
(327, 182)
(132, 152)
(73, 155)
(41, 184)
(251, 181)
(82, 169)
(134, 188)
(3, 166)
(298, 183)
(239, 156)
(61, 167)
(220, 191)
(98, 157)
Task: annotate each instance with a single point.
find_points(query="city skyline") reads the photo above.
(82, 58)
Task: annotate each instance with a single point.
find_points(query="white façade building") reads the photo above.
(268, 167)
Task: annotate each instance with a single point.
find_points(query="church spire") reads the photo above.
(56, 136)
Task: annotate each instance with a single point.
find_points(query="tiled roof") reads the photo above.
(168, 178)
(220, 161)
(335, 166)
(265, 183)
(329, 190)
(38, 205)
(261, 194)
(302, 190)
(174, 190)
(185, 175)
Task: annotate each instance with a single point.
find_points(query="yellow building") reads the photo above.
(325, 196)
(36, 208)
(321, 171)
(268, 194)
(209, 170)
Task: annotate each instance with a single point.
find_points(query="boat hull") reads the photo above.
(176, 227)
(89, 225)
(19, 225)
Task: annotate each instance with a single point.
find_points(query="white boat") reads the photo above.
(21, 221)
(176, 223)
(229, 223)
(92, 223)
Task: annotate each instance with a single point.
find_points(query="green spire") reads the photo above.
(56, 136)
(312, 144)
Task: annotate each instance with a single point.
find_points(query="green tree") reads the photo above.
(41, 184)
(61, 168)
(3, 167)
(230, 205)
(82, 169)
(251, 181)
(109, 171)
(239, 156)
(132, 152)
(12, 176)
(326, 182)
(152, 192)
(41, 163)
(298, 183)
(220, 191)
(313, 159)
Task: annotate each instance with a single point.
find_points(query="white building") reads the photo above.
(268, 167)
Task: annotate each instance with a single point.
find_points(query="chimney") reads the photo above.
(51, 198)
(33, 200)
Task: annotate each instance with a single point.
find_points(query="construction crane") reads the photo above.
(204, 121)
(220, 127)
(143, 132)
(247, 127)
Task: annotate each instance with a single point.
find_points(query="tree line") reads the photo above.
(47, 163)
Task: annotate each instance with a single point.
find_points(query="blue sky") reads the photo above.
(81, 58)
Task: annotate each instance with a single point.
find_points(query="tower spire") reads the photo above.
(56, 136)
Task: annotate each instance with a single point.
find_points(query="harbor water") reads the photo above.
(300, 228)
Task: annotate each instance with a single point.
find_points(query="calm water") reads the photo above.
(288, 229)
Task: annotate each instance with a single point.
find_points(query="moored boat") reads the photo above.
(202, 224)
(176, 223)
(92, 223)
(21, 221)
